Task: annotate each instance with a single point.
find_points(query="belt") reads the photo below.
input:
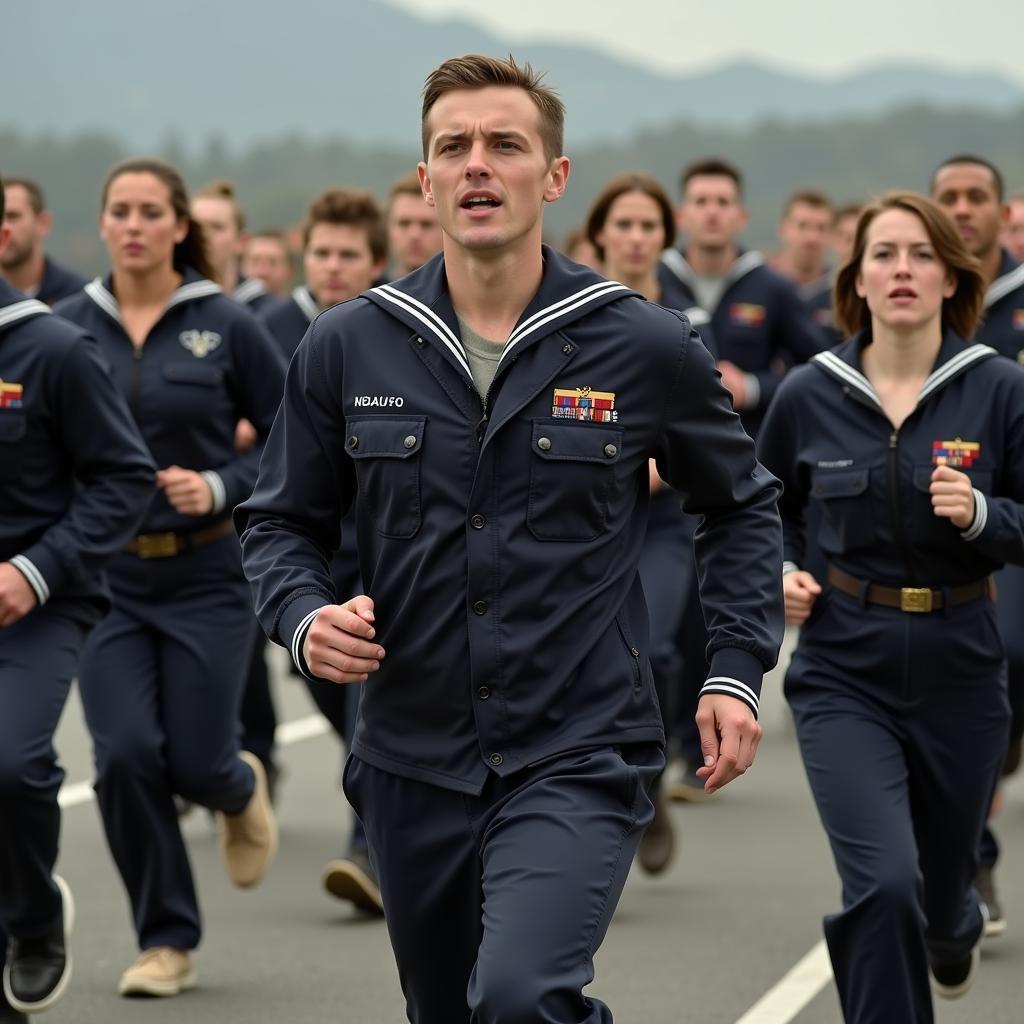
(169, 544)
(910, 599)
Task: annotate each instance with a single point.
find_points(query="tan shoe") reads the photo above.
(248, 840)
(160, 971)
(658, 843)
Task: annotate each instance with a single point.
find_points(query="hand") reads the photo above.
(245, 437)
(800, 590)
(729, 735)
(654, 482)
(952, 496)
(735, 382)
(186, 490)
(339, 644)
(17, 598)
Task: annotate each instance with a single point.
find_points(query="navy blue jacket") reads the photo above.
(289, 319)
(500, 541)
(1003, 323)
(58, 282)
(760, 324)
(827, 439)
(75, 476)
(252, 293)
(206, 364)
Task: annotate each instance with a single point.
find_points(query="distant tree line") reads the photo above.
(849, 159)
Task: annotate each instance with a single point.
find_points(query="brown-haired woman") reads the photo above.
(911, 441)
(161, 677)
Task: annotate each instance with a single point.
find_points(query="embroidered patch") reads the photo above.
(1018, 319)
(959, 454)
(200, 343)
(10, 394)
(747, 314)
(584, 404)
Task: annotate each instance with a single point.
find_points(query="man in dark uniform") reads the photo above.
(75, 479)
(970, 190)
(25, 264)
(492, 416)
(414, 235)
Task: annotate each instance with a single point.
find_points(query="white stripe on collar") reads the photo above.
(251, 288)
(303, 298)
(1002, 286)
(697, 316)
(553, 312)
(434, 324)
(743, 265)
(676, 262)
(193, 290)
(22, 311)
(848, 374)
(948, 370)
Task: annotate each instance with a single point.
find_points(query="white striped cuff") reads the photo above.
(788, 567)
(975, 530)
(34, 577)
(217, 490)
(752, 399)
(299, 638)
(732, 688)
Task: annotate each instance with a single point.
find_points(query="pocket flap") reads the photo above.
(577, 442)
(840, 483)
(193, 373)
(12, 426)
(387, 437)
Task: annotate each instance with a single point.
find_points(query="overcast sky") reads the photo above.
(807, 35)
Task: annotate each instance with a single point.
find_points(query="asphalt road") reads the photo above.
(740, 907)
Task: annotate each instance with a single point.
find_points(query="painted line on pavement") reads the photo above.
(781, 1003)
(75, 793)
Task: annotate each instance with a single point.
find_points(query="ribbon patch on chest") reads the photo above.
(10, 395)
(200, 343)
(958, 454)
(747, 314)
(584, 404)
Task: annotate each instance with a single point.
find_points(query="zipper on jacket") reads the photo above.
(894, 501)
(133, 393)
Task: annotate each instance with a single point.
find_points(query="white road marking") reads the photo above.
(75, 793)
(781, 1003)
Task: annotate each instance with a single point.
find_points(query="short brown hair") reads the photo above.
(222, 189)
(807, 197)
(406, 185)
(712, 166)
(475, 71)
(350, 206)
(846, 210)
(36, 199)
(960, 311)
(623, 185)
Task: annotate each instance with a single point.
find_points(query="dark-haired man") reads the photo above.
(491, 417)
(970, 189)
(24, 264)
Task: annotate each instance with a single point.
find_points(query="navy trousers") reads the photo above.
(902, 721)
(38, 659)
(161, 683)
(496, 904)
(258, 714)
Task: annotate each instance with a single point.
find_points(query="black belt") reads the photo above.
(169, 543)
(910, 599)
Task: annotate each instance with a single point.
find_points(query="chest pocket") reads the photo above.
(847, 518)
(195, 391)
(572, 473)
(13, 428)
(386, 452)
(927, 524)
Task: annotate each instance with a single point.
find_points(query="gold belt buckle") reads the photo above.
(157, 545)
(915, 599)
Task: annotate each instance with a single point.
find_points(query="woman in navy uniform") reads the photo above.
(162, 676)
(911, 442)
(75, 478)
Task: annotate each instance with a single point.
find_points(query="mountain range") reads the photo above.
(240, 71)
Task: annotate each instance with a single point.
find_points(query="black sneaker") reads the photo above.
(352, 879)
(985, 883)
(38, 970)
(951, 981)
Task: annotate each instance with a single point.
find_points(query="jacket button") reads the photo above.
(353, 442)
(483, 693)
(419, 341)
(410, 441)
(634, 652)
(544, 444)
(566, 349)
(496, 760)
(611, 451)
(478, 522)
(480, 607)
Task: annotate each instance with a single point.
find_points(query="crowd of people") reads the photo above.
(413, 437)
